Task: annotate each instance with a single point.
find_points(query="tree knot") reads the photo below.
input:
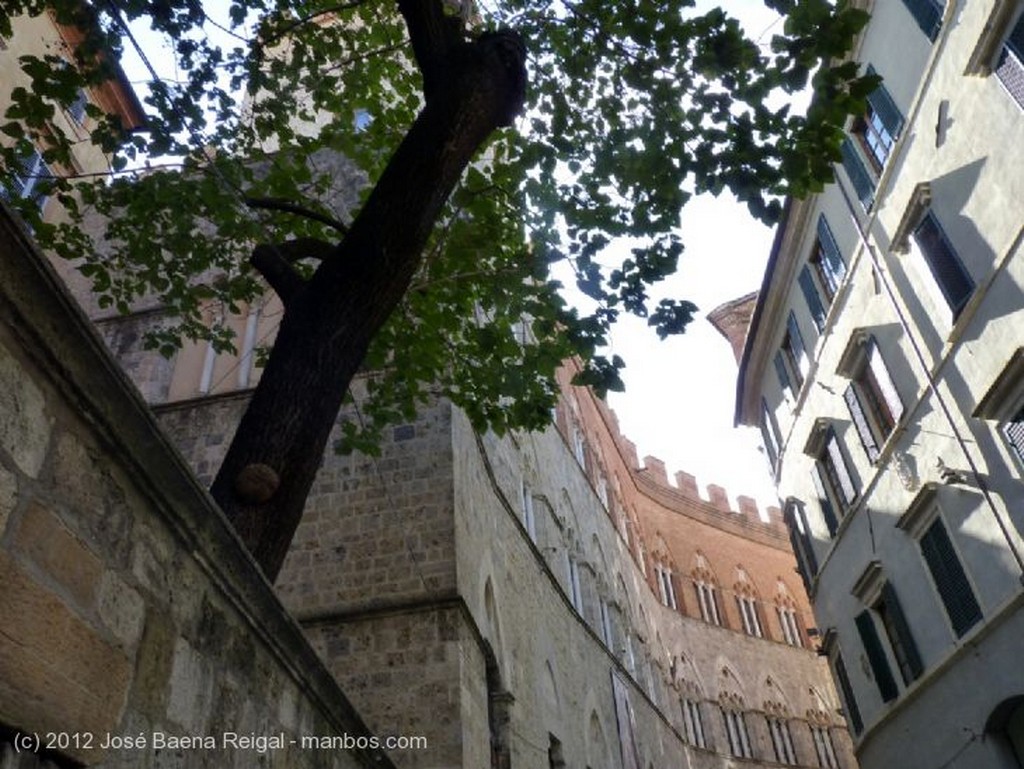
(256, 483)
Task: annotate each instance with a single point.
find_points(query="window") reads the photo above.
(770, 436)
(1010, 65)
(602, 490)
(579, 448)
(843, 680)
(876, 133)
(811, 296)
(790, 625)
(1013, 432)
(693, 723)
(824, 748)
(665, 587)
(575, 593)
(25, 179)
(76, 110)
(606, 623)
(800, 539)
(791, 362)
(927, 14)
(529, 516)
(877, 658)
(950, 579)
(871, 397)
(833, 482)
(747, 606)
(904, 650)
(782, 741)
(707, 600)
(826, 262)
(949, 273)
(736, 732)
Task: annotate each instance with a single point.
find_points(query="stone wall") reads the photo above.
(130, 610)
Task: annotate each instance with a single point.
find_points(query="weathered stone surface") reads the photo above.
(46, 540)
(24, 423)
(56, 672)
(8, 496)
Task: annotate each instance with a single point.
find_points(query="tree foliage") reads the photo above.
(281, 124)
(632, 107)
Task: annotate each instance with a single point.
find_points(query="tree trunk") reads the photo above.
(471, 89)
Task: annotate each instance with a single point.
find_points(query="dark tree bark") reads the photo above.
(470, 88)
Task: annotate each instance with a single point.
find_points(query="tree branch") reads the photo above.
(280, 204)
(434, 35)
(271, 262)
(287, 30)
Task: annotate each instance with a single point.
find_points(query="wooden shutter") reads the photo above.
(899, 624)
(927, 14)
(824, 502)
(796, 342)
(843, 679)
(832, 259)
(876, 656)
(780, 370)
(950, 579)
(770, 435)
(860, 421)
(835, 454)
(1014, 433)
(881, 373)
(949, 273)
(882, 104)
(861, 180)
(1015, 41)
(810, 292)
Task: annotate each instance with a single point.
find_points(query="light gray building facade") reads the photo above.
(884, 365)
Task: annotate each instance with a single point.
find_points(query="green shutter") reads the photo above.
(882, 104)
(950, 579)
(843, 679)
(927, 14)
(860, 421)
(861, 180)
(899, 623)
(810, 292)
(876, 656)
(835, 267)
(954, 281)
(824, 502)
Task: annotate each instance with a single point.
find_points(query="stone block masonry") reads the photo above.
(136, 632)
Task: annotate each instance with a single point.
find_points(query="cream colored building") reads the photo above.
(884, 366)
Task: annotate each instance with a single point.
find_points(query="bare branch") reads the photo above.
(280, 204)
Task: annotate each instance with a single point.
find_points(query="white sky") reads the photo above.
(680, 393)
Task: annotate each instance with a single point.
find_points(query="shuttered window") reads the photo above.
(26, 179)
(784, 381)
(874, 403)
(837, 472)
(860, 421)
(827, 260)
(810, 292)
(900, 638)
(950, 579)
(953, 280)
(1010, 67)
(876, 656)
(800, 540)
(824, 501)
(843, 679)
(927, 14)
(791, 361)
(1013, 431)
(863, 183)
(770, 435)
